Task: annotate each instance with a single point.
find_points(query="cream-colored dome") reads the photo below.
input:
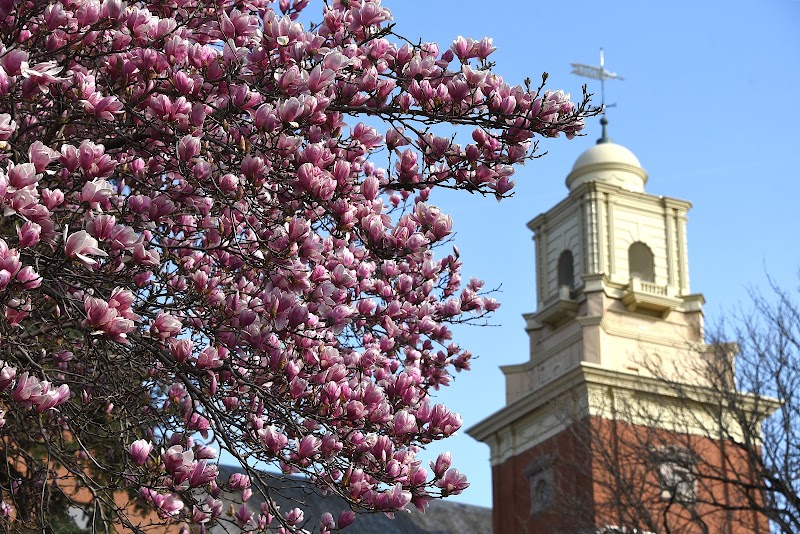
(608, 162)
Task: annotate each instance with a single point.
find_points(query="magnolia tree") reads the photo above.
(217, 236)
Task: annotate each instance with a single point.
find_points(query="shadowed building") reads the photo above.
(440, 517)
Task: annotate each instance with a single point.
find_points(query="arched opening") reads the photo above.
(640, 262)
(566, 273)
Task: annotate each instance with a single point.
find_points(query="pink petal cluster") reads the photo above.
(453, 482)
(167, 505)
(113, 318)
(13, 273)
(165, 326)
(186, 469)
(30, 392)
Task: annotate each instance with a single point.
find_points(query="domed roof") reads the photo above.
(606, 153)
(608, 162)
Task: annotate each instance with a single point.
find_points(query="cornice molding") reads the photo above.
(615, 193)
(532, 419)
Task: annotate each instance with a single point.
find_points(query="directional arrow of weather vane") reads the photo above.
(597, 73)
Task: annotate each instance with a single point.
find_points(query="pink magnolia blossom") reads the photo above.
(27, 386)
(201, 473)
(308, 446)
(21, 176)
(404, 423)
(105, 107)
(7, 126)
(485, 48)
(41, 156)
(346, 518)
(464, 48)
(42, 74)
(7, 374)
(140, 450)
(50, 397)
(243, 516)
(209, 358)
(294, 516)
(29, 234)
(326, 522)
(442, 464)
(27, 278)
(272, 438)
(39, 394)
(108, 318)
(238, 481)
(453, 482)
(165, 326)
(178, 460)
(181, 349)
(166, 505)
(81, 245)
(188, 147)
(96, 193)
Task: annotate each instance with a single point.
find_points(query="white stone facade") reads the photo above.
(598, 223)
(621, 307)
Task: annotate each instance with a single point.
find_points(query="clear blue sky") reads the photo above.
(709, 105)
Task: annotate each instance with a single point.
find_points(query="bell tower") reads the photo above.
(612, 274)
(613, 297)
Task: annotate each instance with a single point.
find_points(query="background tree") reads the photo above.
(712, 457)
(199, 253)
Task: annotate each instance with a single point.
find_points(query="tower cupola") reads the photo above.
(610, 163)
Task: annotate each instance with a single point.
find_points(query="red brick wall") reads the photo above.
(587, 495)
(571, 470)
(144, 520)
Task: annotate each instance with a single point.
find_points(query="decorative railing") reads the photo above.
(563, 293)
(549, 300)
(640, 286)
(649, 287)
(558, 307)
(649, 296)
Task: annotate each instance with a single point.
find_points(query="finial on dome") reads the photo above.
(605, 138)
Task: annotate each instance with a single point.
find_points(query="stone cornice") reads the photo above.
(590, 382)
(525, 405)
(590, 320)
(638, 335)
(602, 187)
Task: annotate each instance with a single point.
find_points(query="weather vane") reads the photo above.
(597, 73)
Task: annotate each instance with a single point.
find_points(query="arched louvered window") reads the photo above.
(566, 273)
(640, 262)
